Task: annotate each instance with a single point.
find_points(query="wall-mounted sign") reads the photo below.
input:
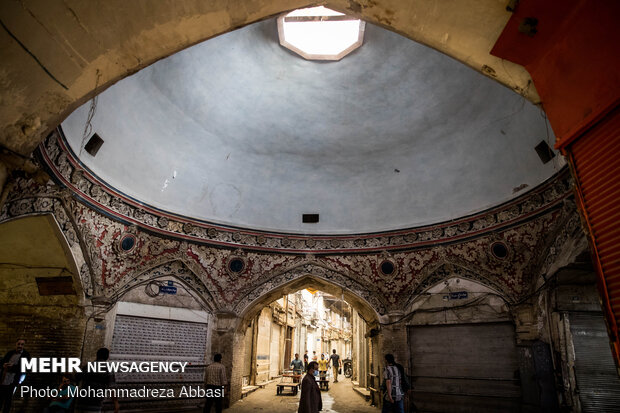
(459, 295)
(167, 290)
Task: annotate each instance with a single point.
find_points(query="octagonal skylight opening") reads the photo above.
(319, 33)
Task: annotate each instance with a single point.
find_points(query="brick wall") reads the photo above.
(49, 331)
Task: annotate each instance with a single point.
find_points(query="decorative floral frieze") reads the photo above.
(108, 270)
(67, 169)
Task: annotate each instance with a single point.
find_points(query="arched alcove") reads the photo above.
(455, 299)
(177, 272)
(446, 270)
(41, 294)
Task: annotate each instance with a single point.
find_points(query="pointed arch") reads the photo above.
(38, 242)
(311, 275)
(446, 270)
(176, 269)
(68, 236)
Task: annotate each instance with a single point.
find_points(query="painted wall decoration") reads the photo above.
(69, 172)
(96, 221)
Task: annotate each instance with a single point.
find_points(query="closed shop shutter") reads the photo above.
(152, 339)
(597, 379)
(465, 368)
(594, 157)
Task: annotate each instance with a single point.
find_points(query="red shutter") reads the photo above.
(595, 158)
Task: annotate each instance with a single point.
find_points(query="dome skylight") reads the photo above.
(319, 33)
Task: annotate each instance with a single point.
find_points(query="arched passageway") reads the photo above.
(312, 319)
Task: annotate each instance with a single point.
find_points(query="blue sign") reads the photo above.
(459, 295)
(167, 290)
(170, 283)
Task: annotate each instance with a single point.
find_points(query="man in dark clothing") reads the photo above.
(11, 373)
(310, 400)
(97, 381)
(306, 360)
(334, 359)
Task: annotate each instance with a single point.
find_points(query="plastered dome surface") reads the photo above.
(241, 131)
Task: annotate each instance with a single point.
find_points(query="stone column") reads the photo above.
(228, 340)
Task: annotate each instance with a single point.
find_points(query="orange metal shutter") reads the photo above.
(595, 158)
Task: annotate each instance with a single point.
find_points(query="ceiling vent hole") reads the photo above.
(499, 250)
(387, 267)
(545, 153)
(94, 144)
(236, 265)
(310, 218)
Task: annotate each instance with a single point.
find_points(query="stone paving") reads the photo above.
(339, 399)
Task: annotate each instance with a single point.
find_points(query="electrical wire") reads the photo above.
(88, 126)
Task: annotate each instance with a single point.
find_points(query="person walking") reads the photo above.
(393, 398)
(306, 360)
(310, 400)
(334, 359)
(216, 379)
(11, 372)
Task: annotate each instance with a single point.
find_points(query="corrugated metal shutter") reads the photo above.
(596, 164)
(465, 368)
(152, 339)
(597, 380)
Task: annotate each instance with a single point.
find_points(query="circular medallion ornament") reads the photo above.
(127, 242)
(387, 267)
(499, 250)
(236, 265)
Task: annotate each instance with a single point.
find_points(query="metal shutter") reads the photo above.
(152, 339)
(594, 158)
(597, 379)
(465, 368)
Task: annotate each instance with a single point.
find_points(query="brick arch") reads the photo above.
(48, 78)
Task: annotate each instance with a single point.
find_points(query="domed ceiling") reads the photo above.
(241, 131)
